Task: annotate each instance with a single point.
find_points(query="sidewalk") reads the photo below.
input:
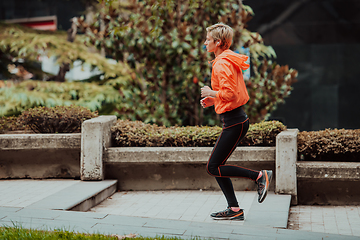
(343, 220)
(196, 206)
(184, 214)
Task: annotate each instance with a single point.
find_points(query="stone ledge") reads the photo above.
(183, 154)
(328, 170)
(40, 141)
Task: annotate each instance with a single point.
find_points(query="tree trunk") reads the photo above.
(62, 71)
(65, 67)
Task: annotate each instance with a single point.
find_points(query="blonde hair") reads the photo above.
(221, 32)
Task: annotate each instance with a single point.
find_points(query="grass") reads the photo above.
(16, 233)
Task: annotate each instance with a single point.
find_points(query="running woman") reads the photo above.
(229, 94)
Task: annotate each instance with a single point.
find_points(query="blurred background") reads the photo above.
(318, 38)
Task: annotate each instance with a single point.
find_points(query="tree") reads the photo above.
(163, 42)
(18, 42)
(28, 94)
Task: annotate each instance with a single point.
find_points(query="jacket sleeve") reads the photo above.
(227, 83)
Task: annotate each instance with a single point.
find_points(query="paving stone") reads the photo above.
(113, 229)
(164, 223)
(317, 227)
(331, 230)
(254, 230)
(305, 226)
(163, 231)
(205, 233)
(40, 225)
(157, 214)
(126, 229)
(212, 225)
(250, 237)
(31, 191)
(124, 220)
(79, 215)
(297, 235)
(9, 209)
(70, 225)
(35, 214)
(37, 223)
(273, 202)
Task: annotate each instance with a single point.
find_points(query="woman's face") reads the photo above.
(209, 43)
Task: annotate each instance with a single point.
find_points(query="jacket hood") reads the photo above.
(237, 59)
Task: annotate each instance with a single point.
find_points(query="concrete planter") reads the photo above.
(179, 168)
(40, 155)
(328, 183)
(90, 156)
(175, 168)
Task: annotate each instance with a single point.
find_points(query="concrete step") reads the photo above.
(273, 212)
(80, 196)
(196, 206)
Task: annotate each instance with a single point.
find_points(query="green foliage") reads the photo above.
(16, 233)
(330, 145)
(263, 133)
(60, 119)
(28, 94)
(20, 42)
(139, 134)
(163, 42)
(30, 44)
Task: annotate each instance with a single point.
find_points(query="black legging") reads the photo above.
(235, 126)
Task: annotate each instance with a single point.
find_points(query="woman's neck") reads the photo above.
(218, 52)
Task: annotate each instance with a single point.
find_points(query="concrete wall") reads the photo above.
(40, 156)
(57, 156)
(60, 156)
(95, 137)
(328, 183)
(286, 157)
(156, 168)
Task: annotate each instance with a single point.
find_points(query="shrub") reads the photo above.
(60, 119)
(10, 124)
(138, 134)
(29, 94)
(330, 145)
(163, 42)
(263, 133)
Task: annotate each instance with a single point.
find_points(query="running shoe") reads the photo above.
(228, 214)
(263, 184)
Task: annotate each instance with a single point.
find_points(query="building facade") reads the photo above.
(319, 38)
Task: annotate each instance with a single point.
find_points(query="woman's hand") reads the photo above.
(207, 92)
(207, 102)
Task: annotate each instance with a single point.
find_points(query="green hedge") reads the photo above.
(60, 119)
(326, 145)
(11, 124)
(138, 134)
(329, 145)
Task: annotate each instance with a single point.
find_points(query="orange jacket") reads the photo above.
(227, 79)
